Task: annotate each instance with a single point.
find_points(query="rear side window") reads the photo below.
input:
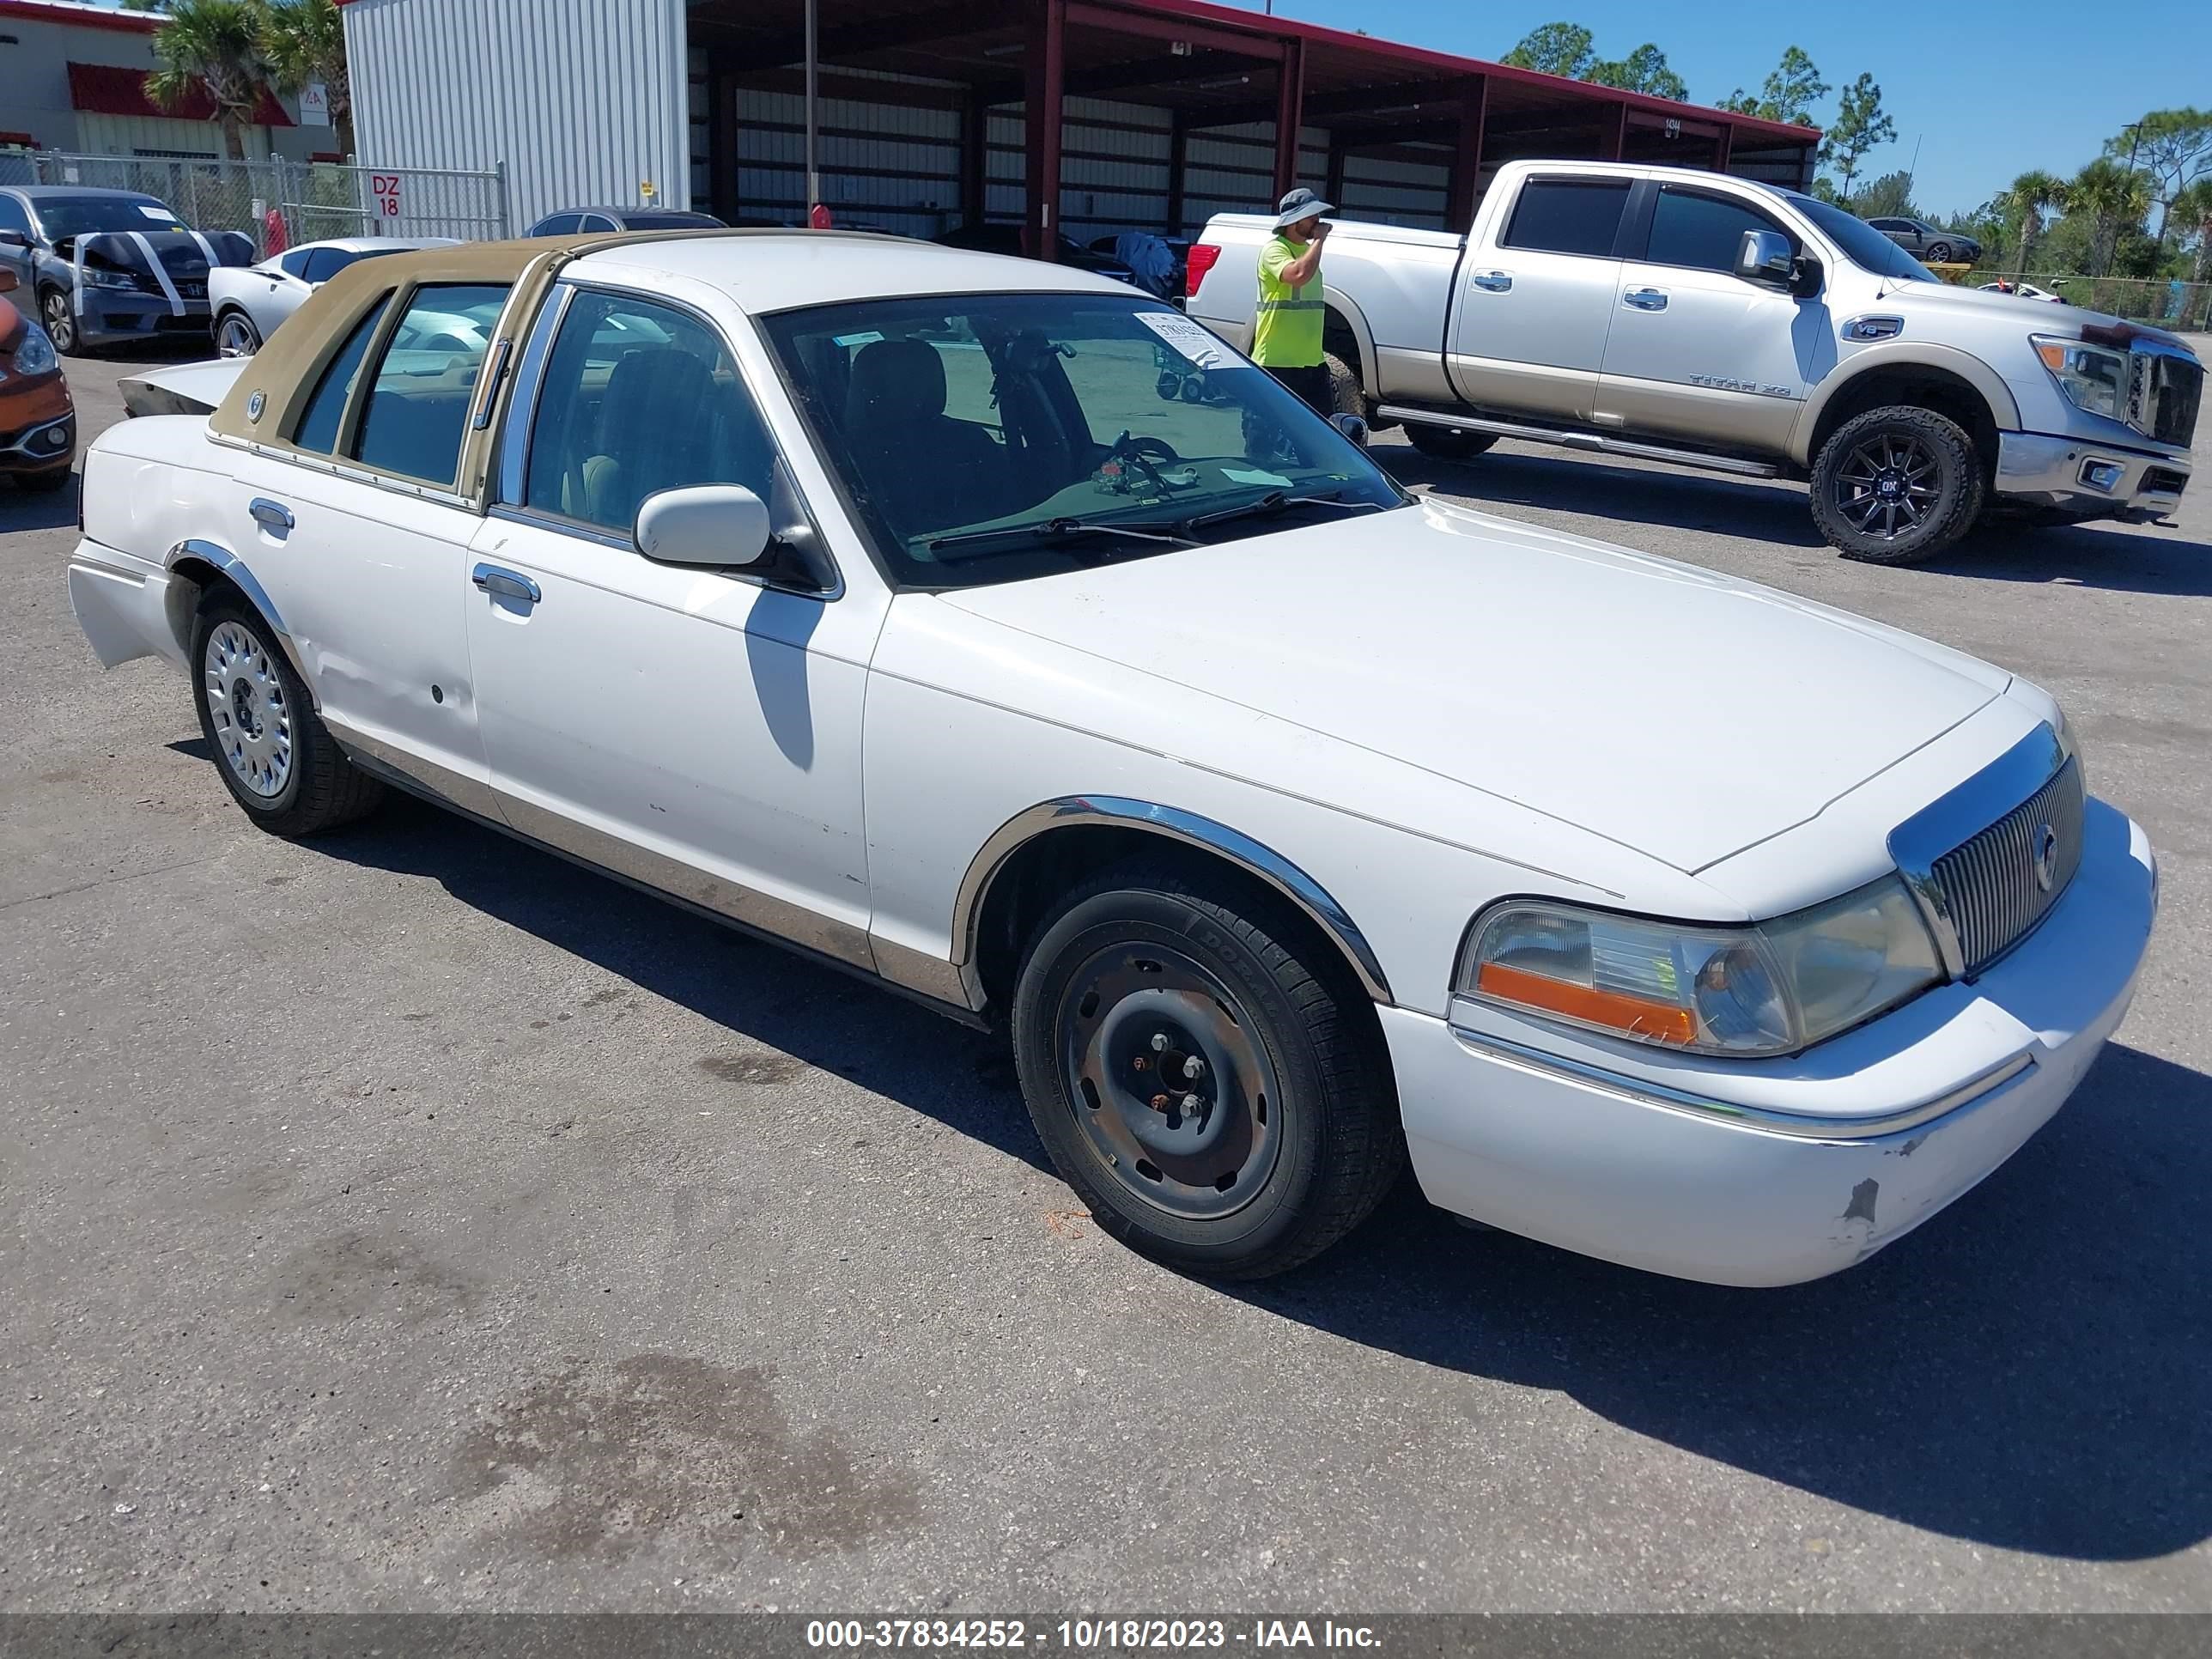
(319, 428)
(419, 401)
(1702, 231)
(1563, 215)
(324, 263)
(299, 262)
(561, 224)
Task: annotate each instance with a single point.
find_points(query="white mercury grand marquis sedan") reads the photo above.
(993, 630)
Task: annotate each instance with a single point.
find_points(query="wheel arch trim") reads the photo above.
(241, 575)
(1171, 823)
(1904, 353)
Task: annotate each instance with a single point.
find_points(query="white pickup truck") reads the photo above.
(1715, 322)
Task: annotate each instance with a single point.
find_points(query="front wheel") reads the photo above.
(274, 755)
(1203, 1074)
(1444, 443)
(60, 320)
(1896, 485)
(235, 336)
(1939, 253)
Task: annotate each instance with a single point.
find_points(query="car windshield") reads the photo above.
(61, 216)
(988, 438)
(1862, 245)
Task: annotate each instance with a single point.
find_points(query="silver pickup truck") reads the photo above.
(1716, 322)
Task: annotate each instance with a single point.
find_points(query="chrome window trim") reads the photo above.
(1174, 824)
(1953, 819)
(1764, 1120)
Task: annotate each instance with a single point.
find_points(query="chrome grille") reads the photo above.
(1990, 885)
(2164, 392)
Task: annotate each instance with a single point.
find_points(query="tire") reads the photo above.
(59, 322)
(235, 335)
(1345, 397)
(44, 483)
(272, 751)
(1298, 1136)
(1442, 443)
(1939, 253)
(1896, 485)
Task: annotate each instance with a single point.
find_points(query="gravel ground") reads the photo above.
(409, 1220)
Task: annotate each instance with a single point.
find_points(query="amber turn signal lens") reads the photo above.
(1654, 1022)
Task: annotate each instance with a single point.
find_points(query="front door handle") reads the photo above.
(272, 516)
(1493, 281)
(1645, 299)
(507, 584)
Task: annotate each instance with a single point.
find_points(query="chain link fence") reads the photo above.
(282, 202)
(2164, 303)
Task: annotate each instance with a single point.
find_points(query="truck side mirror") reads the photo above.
(7, 281)
(1765, 257)
(14, 239)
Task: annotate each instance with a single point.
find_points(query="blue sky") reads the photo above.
(1990, 90)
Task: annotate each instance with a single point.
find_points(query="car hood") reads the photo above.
(2041, 314)
(1673, 710)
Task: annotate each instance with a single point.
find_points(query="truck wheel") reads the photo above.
(1345, 397)
(274, 754)
(60, 322)
(1896, 485)
(1203, 1075)
(1442, 443)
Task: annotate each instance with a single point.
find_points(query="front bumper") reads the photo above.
(1776, 1172)
(45, 442)
(2085, 478)
(109, 315)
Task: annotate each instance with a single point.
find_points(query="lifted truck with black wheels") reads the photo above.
(1721, 324)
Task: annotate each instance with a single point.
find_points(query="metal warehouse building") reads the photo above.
(1088, 116)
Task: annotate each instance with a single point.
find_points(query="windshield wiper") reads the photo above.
(1053, 530)
(1278, 501)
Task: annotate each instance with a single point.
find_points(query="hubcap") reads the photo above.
(1886, 486)
(234, 338)
(247, 707)
(61, 327)
(1174, 1093)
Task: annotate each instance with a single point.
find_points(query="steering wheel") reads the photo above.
(1147, 448)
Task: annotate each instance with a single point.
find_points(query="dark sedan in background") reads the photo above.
(1929, 243)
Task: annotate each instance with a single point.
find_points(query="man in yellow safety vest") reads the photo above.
(1286, 330)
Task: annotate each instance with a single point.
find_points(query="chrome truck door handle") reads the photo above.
(1493, 281)
(273, 516)
(508, 584)
(1645, 299)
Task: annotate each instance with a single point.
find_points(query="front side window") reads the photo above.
(318, 427)
(419, 402)
(991, 437)
(639, 398)
(559, 224)
(1569, 216)
(13, 217)
(1702, 232)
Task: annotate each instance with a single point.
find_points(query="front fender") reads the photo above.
(2004, 409)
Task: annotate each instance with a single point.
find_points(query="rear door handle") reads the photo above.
(272, 516)
(1493, 281)
(508, 584)
(1645, 299)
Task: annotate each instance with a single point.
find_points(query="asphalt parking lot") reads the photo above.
(407, 1219)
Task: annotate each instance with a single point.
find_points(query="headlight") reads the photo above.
(35, 352)
(97, 276)
(1772, 988)
(2093, 378)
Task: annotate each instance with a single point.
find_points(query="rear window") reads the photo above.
(420, 399)
(1568, 215)
(319, 428)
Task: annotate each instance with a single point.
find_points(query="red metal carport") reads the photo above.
(1170, 109)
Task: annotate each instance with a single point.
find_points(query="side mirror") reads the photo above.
(720, 526)
(14, 239)
(1353, 427)
(7, 281)
(1764, 256)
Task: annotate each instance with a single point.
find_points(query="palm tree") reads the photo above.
(2192, 210)
(2116, 196)
(305, 40)
(214, 45)
(2032, 194)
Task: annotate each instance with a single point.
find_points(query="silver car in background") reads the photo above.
(1930, 244)
(247, 303)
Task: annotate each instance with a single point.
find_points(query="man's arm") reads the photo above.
(1300, 270)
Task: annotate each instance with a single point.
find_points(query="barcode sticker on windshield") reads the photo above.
(160, 216)
(1192, 341)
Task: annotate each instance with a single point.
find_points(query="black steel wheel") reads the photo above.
(1896, 485)
(1203, 1073)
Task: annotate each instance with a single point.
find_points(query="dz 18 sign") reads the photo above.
(386, 187)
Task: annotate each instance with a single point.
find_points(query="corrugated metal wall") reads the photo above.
(892, 162)
(584, 101)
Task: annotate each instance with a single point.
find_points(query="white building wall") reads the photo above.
(584, 103)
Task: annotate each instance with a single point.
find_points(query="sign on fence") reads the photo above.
(385, 186)
(314, 104)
